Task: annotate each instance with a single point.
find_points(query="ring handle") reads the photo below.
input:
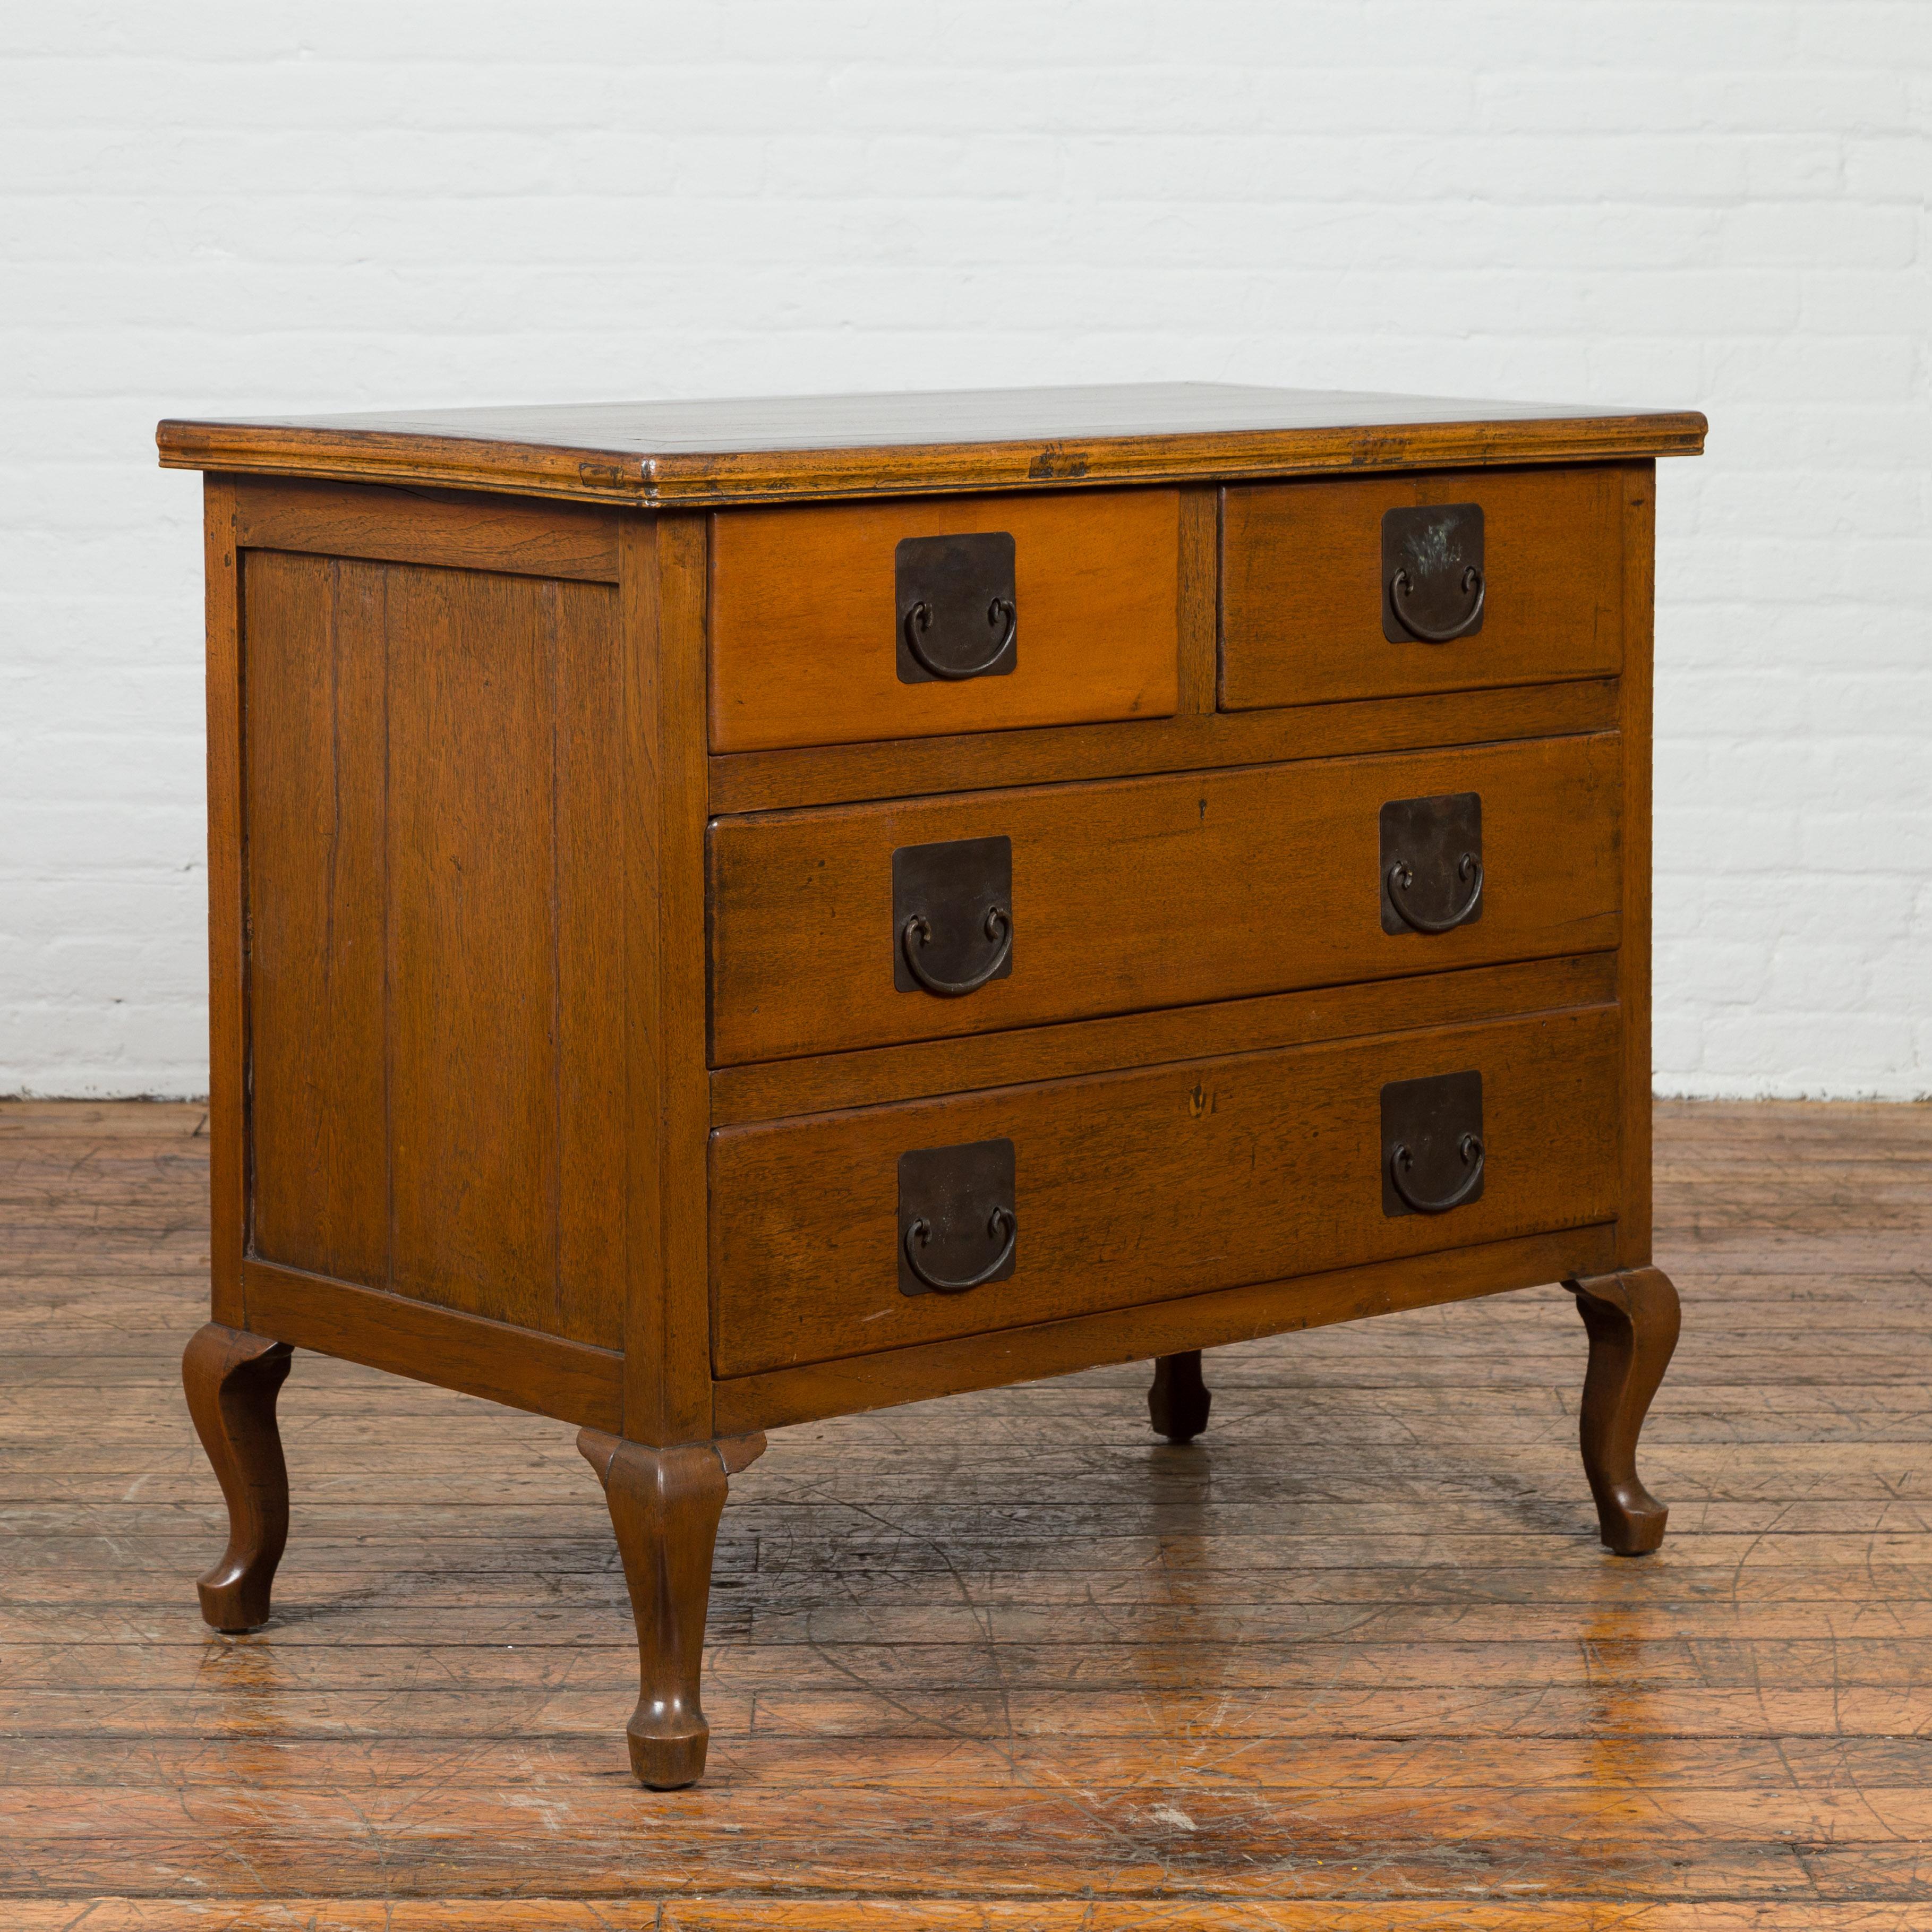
(1401, 585)
(1001, 610)
(1401, 877)
(917, 932)
(1401, 1160)
(921, 1232)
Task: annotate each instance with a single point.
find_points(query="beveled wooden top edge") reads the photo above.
(674, 455)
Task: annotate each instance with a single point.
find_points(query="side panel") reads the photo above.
(435, 976)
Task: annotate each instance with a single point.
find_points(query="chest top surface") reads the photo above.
(772, 449)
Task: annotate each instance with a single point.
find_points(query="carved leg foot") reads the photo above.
(665, 1506)
(232, 1379)
(1633, 1321)
(1179, 1400)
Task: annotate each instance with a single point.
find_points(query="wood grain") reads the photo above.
(453, 1348)
(437, 990)
(464, 533)
(227, 911)
(666, 1313)
(770, 1089)
(1637, 687)
(804, 448)
(1361, 1637)
(805, 629)
(1149, 892)
(838, 774)
(1140, 1187)
(1302, 590)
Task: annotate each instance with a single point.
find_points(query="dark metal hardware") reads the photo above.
(1433, 582)
(1433, 1156)
(1431, 862)
(958, 612)
(959, 1217)
(1401, 1162)
(951, 903)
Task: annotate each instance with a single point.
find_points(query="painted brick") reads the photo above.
(235, 206)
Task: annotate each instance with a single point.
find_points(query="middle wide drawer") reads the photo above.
(857, 926)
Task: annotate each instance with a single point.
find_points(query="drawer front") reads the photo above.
(1140, 893)
(1127, 1188)
(1310, 611)
(810, 646)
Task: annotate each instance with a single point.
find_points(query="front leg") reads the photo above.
(1632, 1318)
(665, 1506)
(231, 1379)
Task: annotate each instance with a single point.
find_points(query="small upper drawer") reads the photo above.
(1383, 586)
(857, 621)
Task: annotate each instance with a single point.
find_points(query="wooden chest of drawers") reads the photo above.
(724, 915)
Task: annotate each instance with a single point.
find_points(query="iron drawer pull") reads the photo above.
(1401, 877)
(921, 1232)
(1401, 586)
(917, 932)
(1003, 611)
(1401, 1160)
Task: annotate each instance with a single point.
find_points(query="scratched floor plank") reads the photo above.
(1356, 1660)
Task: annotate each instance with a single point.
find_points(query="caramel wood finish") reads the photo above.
(1179, 1400)
(231, 1380)
(1639, 519)
(1197, 616)
(667, 1318)
(665, 1507)
(555, 1055)
(1210, 1319)
(1303, 592)
(501, 1363)
(1632, 1318)
(1362, 1636)
(833, 774)
(805, 628)
(797, 448)
(431, 754)
(227, 1011)
(1152, 892)
(1138, 1186)
(774, 1088)
(462, 532)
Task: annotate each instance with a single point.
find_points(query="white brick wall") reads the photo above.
(218, 209)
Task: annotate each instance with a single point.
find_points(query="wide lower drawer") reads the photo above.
(969, 613)
(1137, 893)
(1139, 1187)
(1390, 586)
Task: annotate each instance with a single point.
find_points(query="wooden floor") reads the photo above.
(1355, 1660)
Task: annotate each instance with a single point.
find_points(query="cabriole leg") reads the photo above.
(1632, 1318)
(1179, 1400)
(232, 1379)
(665, 1507)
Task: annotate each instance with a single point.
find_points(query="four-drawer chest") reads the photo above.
(729, 914)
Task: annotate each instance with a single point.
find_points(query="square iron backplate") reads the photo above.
(952, 886)
(1430, 1118)
(956, 1192)
(961, 579)
(1430, 836)
(1436, 543)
